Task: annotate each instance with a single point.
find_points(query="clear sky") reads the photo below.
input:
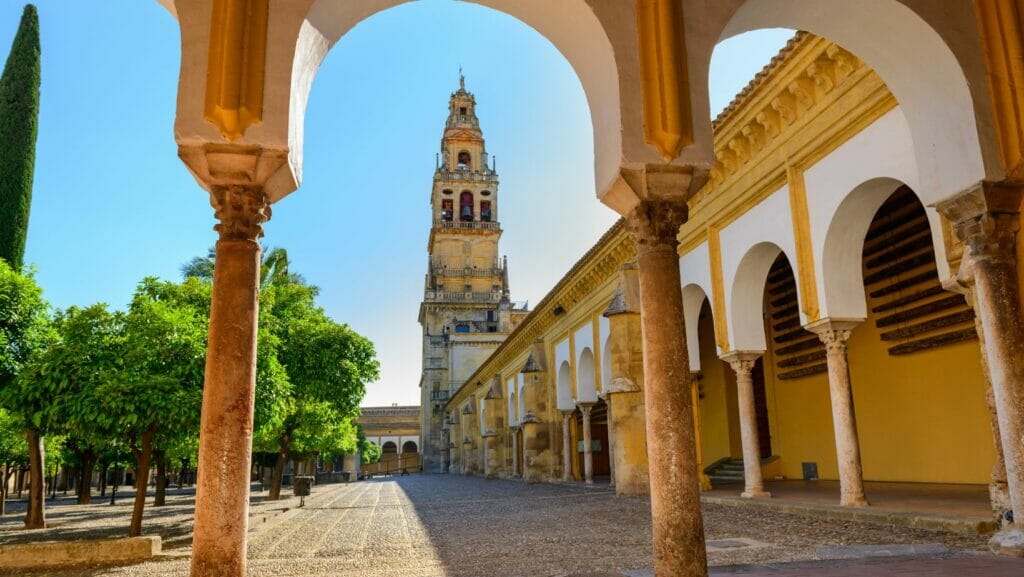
(112, 202)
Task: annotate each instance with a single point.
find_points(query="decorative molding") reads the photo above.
(241, 210)
(804, 248)
(664, 79)
(810, 99)
(236, 64)
(621, 385)
(717, 289)
(1001, 23)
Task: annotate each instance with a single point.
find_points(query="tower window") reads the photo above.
(462, 111)
(485, 210)
(466, 206)
(485, 193)
(446, 209)
(449, 191)
(464, 160)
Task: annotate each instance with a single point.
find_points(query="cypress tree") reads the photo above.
(19, 123)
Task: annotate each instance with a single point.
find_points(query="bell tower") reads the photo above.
(466, 311)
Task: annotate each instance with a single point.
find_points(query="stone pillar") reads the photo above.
(225, 432)
(566, 446)
(488, 437)
(835, 333)
(626, 422)
(742, 362)
(611, 453)
(677, 523)
(515, 450)
(987, 219)
(588, 450)
(535, 445)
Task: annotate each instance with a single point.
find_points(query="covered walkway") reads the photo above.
(961, 508)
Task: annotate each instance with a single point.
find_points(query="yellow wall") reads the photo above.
(921, 417)
(800, 419)
(719, 416)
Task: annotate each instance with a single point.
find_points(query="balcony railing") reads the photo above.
(447, 175)
(470, 297)
(452, 272)
(466, 224)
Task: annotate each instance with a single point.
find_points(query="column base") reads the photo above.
(854, 502)
(705, 482)
(588, 482)
(1009, 542)
(755, 495)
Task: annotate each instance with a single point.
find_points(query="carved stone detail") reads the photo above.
(655, 223)
(241, 210)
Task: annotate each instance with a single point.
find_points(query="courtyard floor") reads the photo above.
(453, 526)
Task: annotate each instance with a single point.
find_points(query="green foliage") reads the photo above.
(24, 333)
(13, 448)
(19, 125)
(370, 453)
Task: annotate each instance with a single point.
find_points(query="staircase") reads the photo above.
(725, 472)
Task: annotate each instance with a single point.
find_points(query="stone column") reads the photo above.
(225, 431)
(677, 523)
(488, 437)
(834, 333)
(987, 219)
(515, 450)
(742, 362)
(566, 446)
(611, 433)
(588, 450)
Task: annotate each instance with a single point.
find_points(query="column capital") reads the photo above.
(585, 407)
(741, 361)
(566, 414)
(833, 332)
(657, 206)
(241, 210)
(986, 219)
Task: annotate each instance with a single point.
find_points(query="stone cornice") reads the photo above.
(787, 116)
(615, 248)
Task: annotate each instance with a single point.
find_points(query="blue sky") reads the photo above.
(112, 202)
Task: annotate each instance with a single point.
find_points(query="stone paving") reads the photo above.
(441, 526)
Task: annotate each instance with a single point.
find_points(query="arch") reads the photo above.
(389, 447)
(304, 32)
(521, 400)
(894, 40)
(693, 299)
(410, 447)
(746, 314)
(586, 387)
(844, 243)
(466, 210)
(564, 387)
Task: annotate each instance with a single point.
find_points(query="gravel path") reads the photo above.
(441, 526)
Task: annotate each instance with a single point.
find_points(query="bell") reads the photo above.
(467, 212)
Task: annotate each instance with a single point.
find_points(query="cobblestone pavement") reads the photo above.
(441, 526)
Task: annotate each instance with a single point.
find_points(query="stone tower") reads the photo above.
(466, 312)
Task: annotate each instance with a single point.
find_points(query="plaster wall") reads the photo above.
(747, 254)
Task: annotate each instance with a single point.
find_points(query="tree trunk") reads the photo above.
(143, 456)
(278, 474)
(161, 480)
(102, 481)
(5, 476)
(87, 463)
(35, 516)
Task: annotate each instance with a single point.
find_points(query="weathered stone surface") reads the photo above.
(86, 552)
